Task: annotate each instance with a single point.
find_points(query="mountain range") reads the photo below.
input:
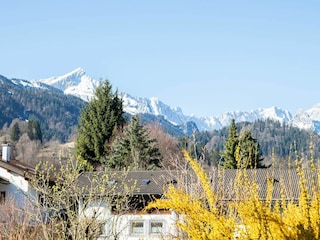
(81, 85)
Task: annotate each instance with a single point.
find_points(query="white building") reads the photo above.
(14, 180)
(134, 223)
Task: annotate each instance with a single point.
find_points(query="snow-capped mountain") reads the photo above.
(247, 116)
(136, 105)
(79, 84)
(22, 83)
(307, 120)
(154, 106)
(76, 83)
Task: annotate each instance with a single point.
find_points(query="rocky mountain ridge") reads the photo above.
(79, 84)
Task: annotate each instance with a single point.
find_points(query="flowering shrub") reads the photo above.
(249, 213)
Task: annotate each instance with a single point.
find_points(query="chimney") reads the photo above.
(6, 152)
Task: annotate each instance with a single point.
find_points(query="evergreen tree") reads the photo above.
(231, 143)
(15, 132)
(34, 130)
(250, 154)
(247, 148)
(134, 149)
(37, 130)
(98, 123)
(30, 130)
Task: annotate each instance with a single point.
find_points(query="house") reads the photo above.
(119, 206)
(134, 223)
(17, 197)
(285, 182)
(130, 221)
(14, 180)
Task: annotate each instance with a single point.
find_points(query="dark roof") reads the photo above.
(142, 182)
(17, 167)
(284, 181)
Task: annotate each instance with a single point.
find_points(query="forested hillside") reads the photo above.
(56, 112)
(274, 137)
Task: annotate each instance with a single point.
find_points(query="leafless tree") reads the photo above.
(73, 204)
(168, 147)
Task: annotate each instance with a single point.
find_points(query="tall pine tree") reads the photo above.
(231, 143)
(249, 154)
(246, 147)
(98, 123)
(34, 130)
(134, 149)
(15, 132)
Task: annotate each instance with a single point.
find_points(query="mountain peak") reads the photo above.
(61, 82)
(77, 71)
(76, 82)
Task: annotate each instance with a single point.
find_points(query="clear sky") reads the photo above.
(207, 57)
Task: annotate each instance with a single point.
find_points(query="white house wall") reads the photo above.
(97, 209)
(17, 189)
(121, 226)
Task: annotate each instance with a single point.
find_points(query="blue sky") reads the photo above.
(207, 57)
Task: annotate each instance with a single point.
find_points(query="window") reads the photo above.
(137, 227)
(2, 196)
(112, 181)
(147, 227)
(145, 181)
(156, 227)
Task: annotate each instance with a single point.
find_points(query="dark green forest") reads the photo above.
(279, 141)
(56, 112)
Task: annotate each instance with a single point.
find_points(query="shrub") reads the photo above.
(246, 215)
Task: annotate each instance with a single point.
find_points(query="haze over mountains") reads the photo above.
(79, 84)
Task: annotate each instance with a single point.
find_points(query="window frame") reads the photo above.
(160, 228)
(132, 227)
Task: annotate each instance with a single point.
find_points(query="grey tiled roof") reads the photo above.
(285, 181)
(143, 182)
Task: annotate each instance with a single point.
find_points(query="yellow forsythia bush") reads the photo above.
(246, 216)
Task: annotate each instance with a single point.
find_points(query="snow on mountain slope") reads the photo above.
(242, 116)
(135, 105)
(76, 83)
(153, 106)
(302, 120)
(314, 112)
(22, 83)
(308, 120)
